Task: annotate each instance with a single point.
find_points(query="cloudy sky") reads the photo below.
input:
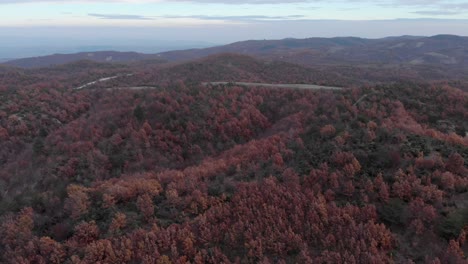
(204, 22)
(175, 13)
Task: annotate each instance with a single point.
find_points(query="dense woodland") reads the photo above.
(187, 173)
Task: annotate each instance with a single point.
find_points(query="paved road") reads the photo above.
(291, 86)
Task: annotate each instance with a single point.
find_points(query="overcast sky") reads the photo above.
(144, 22)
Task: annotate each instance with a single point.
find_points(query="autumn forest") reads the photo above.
(159, 166)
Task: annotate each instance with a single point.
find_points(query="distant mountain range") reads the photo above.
(99, 56)
(446, 50)
(440, 49)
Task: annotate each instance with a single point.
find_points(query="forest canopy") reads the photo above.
(183, 172)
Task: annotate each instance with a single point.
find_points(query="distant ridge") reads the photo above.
(411, 50)
(446, 50)
(99, 56)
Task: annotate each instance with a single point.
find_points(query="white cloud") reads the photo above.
(119, 16)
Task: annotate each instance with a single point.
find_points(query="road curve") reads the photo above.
(290, 86)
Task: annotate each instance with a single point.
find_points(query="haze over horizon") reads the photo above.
(34, 28)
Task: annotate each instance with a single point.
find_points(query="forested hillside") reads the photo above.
(181, 172)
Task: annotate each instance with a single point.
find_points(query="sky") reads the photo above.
(35, 27)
